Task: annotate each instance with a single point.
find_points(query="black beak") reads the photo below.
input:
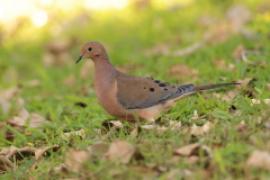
(79, 59)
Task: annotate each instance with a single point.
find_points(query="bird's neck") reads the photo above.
(104, 71)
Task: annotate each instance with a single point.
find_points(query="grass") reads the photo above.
(127, 38)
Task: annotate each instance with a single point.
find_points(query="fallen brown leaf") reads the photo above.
(111, 125)
(228, 96)
(121, 151)
(192, 150)
(169, 126)
(244, 83)
(175, 125)
(259, 159)
(24, 118)
(182, 70)
(187, 150)
(158, 128)
(98, 150)
(176, 174)
(200, 130)
(255, 102)
(75, 159)
(9, 154)
(40, 152)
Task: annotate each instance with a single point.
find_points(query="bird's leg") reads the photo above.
(137, 119)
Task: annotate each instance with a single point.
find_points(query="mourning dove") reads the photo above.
(131, 98)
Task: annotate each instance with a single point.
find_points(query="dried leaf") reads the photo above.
(187, 150)
(193, 150)
(36, 120)
(24, 118)
(177, 173)
(108, 125)
(175, 125)
(121, 151)
(75, 159)
(21, 119)
(8, 154)
(5, 164)
(98, 151)
(259, 159)
(228, 96)
(244, 83)
(39, 152)
(182, 70)
(155, 127)
(255, 102)
(200, 130)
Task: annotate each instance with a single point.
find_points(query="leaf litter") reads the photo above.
(10, 155)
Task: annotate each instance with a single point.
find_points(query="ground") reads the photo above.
(203, 42)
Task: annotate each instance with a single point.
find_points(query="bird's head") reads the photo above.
(93, 50)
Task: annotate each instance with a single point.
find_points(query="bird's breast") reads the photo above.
(107, 95)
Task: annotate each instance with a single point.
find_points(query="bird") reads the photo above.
(134, 98)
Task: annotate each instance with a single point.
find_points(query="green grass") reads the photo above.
(127, 35)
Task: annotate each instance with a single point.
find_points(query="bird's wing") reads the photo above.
(137, 92)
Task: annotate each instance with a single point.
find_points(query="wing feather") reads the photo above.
(138, 92)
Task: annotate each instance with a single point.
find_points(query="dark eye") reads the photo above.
(90, 49)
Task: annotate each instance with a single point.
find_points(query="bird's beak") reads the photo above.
(79, 59)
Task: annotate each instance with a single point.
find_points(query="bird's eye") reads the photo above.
(90, 49)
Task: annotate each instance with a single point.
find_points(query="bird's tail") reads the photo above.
(214, 86)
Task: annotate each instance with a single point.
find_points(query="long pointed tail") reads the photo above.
(214, 86)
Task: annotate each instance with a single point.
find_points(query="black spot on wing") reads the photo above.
(162, 85)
